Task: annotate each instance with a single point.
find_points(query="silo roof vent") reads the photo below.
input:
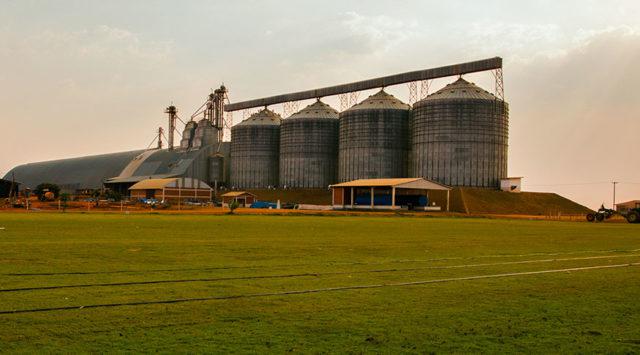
(461, 89)
(265, 117)
(380, 101)
(316, 110)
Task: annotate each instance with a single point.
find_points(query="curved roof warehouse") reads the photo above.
(118, 171)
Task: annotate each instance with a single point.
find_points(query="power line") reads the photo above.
(584, 183)
(573, 184)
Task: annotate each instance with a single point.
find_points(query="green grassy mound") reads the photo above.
(529, 203)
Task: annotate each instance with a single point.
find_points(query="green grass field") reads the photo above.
(178, 283)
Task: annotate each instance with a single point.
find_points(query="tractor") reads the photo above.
(603, 213)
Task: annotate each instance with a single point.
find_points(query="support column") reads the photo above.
(372, 194)
(352, 196)
(393, 198)
(333, 196)
(428, 200)
(448, 200)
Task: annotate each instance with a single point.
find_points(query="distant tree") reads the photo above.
(233, 205)
(96, 196)
(46, 187)
(64, 197)
(113, 195)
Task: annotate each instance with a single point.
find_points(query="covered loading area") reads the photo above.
(245, 199)
(172, 190)
(385, 194)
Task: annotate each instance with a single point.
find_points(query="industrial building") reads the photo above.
(387, 194)
(457, 136)
(244, 199)
(172, 190)
(201, 155)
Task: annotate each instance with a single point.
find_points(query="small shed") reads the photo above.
(511, 184)
(172, 190)
(387, 194)
(244, 198)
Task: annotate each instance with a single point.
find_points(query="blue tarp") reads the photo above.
(264, 204)
(385, 200)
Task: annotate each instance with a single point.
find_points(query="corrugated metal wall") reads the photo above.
(373, 144)
(460, 141)
(255, 145)
(309, 148)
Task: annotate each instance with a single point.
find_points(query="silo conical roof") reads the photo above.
(461, 89)
(316, 110)
(265, 117)
(380, 101)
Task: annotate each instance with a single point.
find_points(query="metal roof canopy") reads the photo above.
(426, 74)
(153, 184)
(398, 183)
(237, 194)
(176, 183)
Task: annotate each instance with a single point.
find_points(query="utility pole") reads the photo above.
(614, 194)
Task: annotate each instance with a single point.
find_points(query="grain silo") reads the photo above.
(204, 135)
(187, 135)
(254, 151)
(374, 139)
(309, 147)
(459, 137)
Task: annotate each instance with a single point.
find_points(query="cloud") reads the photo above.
(374, 34)
(573, 115)
(75, 65)
(105, 44)
(516, 41)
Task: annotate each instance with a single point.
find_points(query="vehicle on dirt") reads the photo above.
(603, 213)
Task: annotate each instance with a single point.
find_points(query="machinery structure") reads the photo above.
(459, 135)
(173, 116)
(494, 64)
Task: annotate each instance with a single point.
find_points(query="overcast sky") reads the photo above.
(90, 77)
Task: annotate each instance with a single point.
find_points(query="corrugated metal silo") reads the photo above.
(460, 137)
(309, 147)
(187, 135)
(374, 139)
(255, 144)
(205, 134)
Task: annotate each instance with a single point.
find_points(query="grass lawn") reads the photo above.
(229, 277)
